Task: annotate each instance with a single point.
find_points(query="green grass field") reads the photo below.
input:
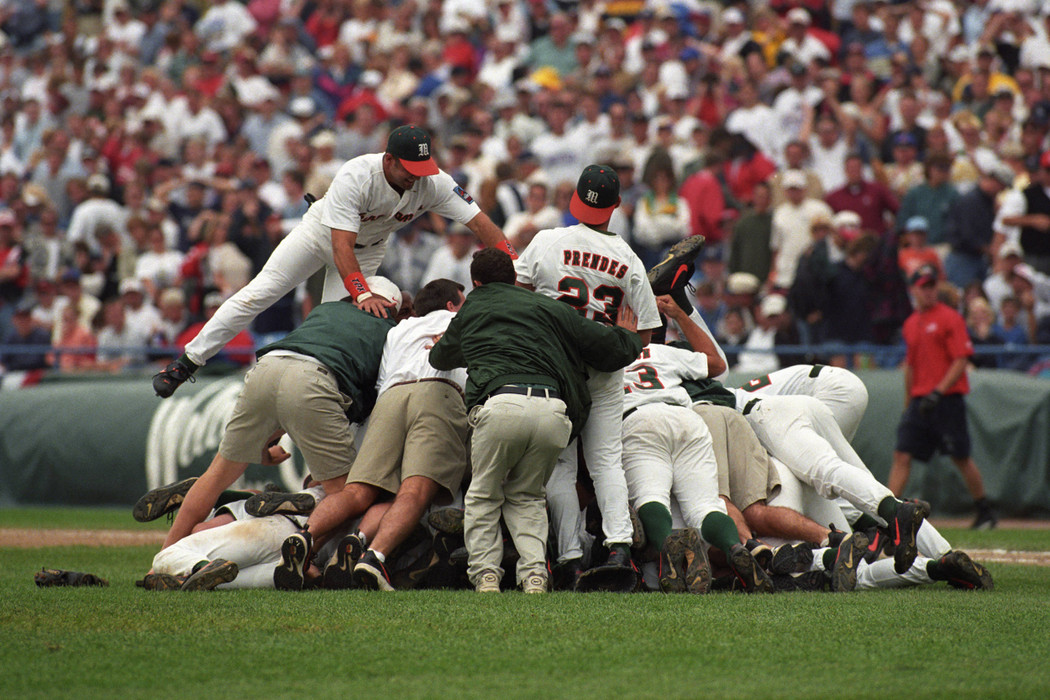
(125, 642)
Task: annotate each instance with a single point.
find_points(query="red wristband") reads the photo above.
(355, 284)
(507, 248)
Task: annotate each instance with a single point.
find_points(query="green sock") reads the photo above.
(888, 508)
(229, 496)
(864, 522)
(656, 522)
(829, 558)
(188, 363)
(719, 530)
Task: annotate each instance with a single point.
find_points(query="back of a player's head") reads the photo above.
(381, 286)
(492, 265)
(435, 295)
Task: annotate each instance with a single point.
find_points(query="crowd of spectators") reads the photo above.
(153, 154)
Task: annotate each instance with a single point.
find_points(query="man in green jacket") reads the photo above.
(526, 358)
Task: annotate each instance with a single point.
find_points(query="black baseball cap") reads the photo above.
(597, 194)
(923, 274)
(411, 145)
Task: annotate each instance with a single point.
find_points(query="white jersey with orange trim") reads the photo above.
(589, 269)
(656, 376)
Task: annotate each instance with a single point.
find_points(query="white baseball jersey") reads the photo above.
(656, 376)
(361, 200)
(837, 388)
(407, 349)
(590, 270)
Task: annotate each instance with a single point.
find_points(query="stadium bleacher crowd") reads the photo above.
(153, 153)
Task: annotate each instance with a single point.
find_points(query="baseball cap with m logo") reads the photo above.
(411, 146)
(597, 194)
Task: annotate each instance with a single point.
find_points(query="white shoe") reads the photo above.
(488, 582)
(534, 583)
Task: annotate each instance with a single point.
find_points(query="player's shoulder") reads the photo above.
(361, 169)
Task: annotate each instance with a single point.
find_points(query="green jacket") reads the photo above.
(705, 390)
(347, 341)
(510, 335)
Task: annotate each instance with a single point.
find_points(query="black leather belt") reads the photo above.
(629, 411)
(749, 405)
(813, 373)
(546, 392)
(368, 245)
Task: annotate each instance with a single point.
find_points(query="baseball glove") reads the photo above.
(60, 577)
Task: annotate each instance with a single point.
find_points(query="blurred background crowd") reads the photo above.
(154, 152)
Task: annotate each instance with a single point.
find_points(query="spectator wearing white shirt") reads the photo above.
(225, 25)
(96, 211)
(753, 119)
(792, 227)
(452, 260)
(560, 155)
(803, 46)
(159, 266)
(201, 121)
(139, 312)
(538, 215)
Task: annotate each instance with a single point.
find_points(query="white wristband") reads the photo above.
(363, 296)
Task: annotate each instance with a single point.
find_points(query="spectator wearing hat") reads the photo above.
(913, 249)
(1032, 289)
(773, 326)
(736, 37)
(980, 324)
(1031, 213)
(26, 334)
(873, 202)
(794, 105)
(749, 249)
(96, 211)
(800, 44)
(935, 383)
(931, 199)
(997, 285)
(741, 294)
(792, 228)
(225, 25)
(827, 150)
(808, 297)
(850, 300)
(1011, 327)
(905, 171)
(139, 311)
(795, 156)
(969, 227)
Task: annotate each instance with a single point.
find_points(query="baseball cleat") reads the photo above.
(807, 581)
(171, 378)
(748, 571)
(791, 559)
(566, 574)
(847, 559)
(290, 573)
(617, 575)
(534, 583)
(761, 551)
(275, 503)
(161, 501)
(962, 572)
(447, 520)
(210, 575)
(676, 268)
(339, 574)
(876, 545)
(669, 569)
(902, 529)
(161, 582)
(986, 520)
(370, 573)
(488, 582)
(695, 562)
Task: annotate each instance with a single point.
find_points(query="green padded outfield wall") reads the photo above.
(106, 441)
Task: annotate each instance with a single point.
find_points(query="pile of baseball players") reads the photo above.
(475, 414)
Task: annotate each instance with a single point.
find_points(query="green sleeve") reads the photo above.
(447, 353)
(605, 348)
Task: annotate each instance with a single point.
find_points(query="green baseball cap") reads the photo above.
(411, 145)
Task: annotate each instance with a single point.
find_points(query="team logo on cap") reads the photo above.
(592, 197)
(424, 150)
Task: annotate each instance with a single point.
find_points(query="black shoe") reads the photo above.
(275, 503)
(210, 575)
(761, 552)
(371, 574)
(565, 575)
(902, 529)
(339, 574)
(747, 569)
(675, 269)
(617, 575)
(290, 573)
(791, 559)
(171, 378)
(986, 520)
(161, 501)
(876, 549)
(848, 557)
(695, 564)
(669, 569)
(807, 581)
(960, 571)
(447, 520)
(835, 537)
(161, 582)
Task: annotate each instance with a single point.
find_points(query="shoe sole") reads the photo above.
(672, 571)
(162, 582)
(262, 505)
(447, 520)
(791, 559)
(610, 579)
(680, 255)
(370, 578)
(844, 574)
(970, 574)
(747, 570)
(216, 572)
(697, 567)
(289, 576)
(906, 549)
(339, 575)
(161, 501)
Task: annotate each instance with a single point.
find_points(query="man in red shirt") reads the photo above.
(935, 383)
(875, 203)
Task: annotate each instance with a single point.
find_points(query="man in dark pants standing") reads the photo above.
(935, 382)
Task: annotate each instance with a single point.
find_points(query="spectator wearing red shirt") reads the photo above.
(702, 191)
(935, 382)
(872, 201)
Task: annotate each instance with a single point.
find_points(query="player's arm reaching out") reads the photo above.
(354, 281)
(697, 338)
(490, 234)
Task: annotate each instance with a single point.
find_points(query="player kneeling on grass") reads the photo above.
(311, 384)
(413, 451)
(525, 356)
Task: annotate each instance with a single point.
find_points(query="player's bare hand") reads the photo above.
(377, 306)
(627, 319)
(669, 307)
(273, 455)
(1041, 221)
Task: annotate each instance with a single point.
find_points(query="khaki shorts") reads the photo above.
(300, 397)
(745, 473)
(417, 429)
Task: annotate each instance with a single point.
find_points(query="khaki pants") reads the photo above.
(515, 445)
(745, 472)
